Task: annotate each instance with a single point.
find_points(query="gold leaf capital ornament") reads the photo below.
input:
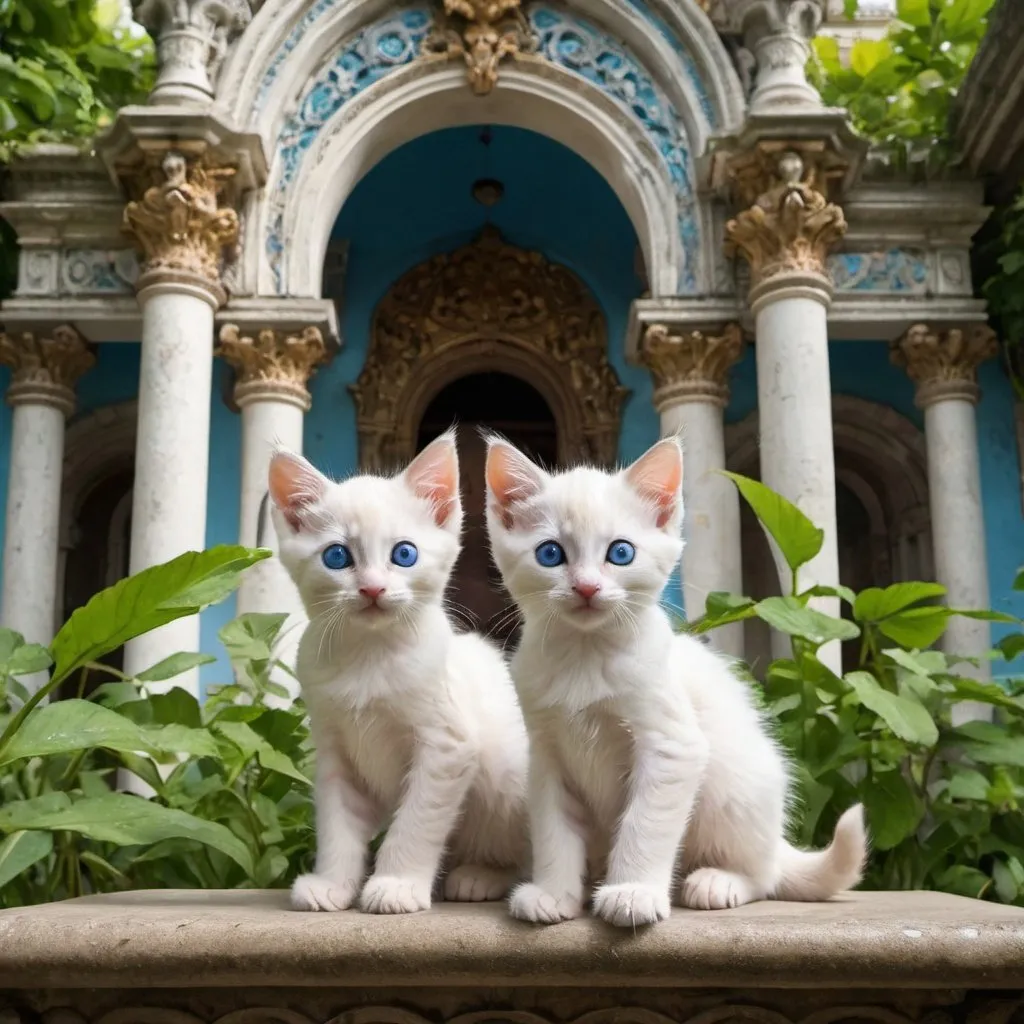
(943, 363)
(692, 366)
(179, 224)
(45, 367)
(273, 364)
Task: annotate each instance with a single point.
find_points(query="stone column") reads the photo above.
(45, 369)
(272, 371)
(690, 374)
(182, 231)
(785, 235)
(943, 364)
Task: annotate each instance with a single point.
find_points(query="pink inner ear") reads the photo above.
(658, 477)
(511, 477)
(434, 475)
(294, 486)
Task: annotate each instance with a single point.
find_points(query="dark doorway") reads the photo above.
(514, 409)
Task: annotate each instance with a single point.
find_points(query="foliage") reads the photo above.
(899, 89)
(230, 795)
(943, 800)
(65, 67)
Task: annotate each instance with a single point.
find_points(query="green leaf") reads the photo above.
(963, 880)
(174, 666)
(893, 809)
(867, 54)
(797, 537)
(127, 821)
(922, 663)
(914, 12)
(151, 598)
(1006, 750)
(875, 604)
(251, 636)
(1011, 646)
(253, 745)
(1005, 883)
(916, 627)
(905, 717)
(968, 784)
(790, 616)
(20, 850)
(819, 590)
(965, 688)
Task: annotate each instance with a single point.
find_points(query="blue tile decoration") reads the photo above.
(895, 271)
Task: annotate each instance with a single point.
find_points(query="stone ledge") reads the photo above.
(231, 939)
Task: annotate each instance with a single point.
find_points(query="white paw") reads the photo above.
(630, 905)
(472, 883)
(715, 889)
(530, 902)
(384, 894)
(315, 892)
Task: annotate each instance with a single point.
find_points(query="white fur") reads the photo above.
(417, 728)
(649, 761)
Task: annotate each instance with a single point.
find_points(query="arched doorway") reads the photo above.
(515, 409)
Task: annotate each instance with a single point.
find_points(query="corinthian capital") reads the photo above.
(944, 363)
(192, 39)
(180, 226)
(790, 228)
(274, 364)
(45, 367)
(691, 367)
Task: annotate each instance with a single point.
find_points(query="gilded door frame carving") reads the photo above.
(488, 307)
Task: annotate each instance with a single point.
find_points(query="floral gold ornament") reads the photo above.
(790, 228)
(483, 33)
(488, 307)
(691, 365)
(273, 363)
(45, 367)
(178, 223)
(943, 363)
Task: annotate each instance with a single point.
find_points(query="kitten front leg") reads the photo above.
(558, 846)
(443, 765)
(345, 822)
(669, 762)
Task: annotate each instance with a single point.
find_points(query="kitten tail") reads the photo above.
(811, 876)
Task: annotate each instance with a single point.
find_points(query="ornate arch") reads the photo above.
(488, 306)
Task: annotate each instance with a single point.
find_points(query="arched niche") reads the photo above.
(488, 307)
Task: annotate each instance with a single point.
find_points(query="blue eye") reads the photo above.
(621, 552)
(549, 554)
(404, 554)
(336, 556)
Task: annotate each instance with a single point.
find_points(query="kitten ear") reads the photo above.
(434, 475)
(657, 476)
(511, 478)
(294, 486)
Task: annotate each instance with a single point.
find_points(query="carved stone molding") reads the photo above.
(691, 367)
(273, 364)
(488, 307)
(943, 363)
(192, 40)
(791, 227)
(45, 367)
(179, 225)
(483, 33)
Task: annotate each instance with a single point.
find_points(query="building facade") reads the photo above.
(343, 225)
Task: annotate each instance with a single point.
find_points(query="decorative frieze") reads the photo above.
(943, 363)
(273, 363)
(897, 271)
(692, 366)
(192, 38)
(791, 226)
(45, 367)
(179, 224)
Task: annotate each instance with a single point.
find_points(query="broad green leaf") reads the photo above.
(965, 688)
(18, 658)
(251, 636)
(175, 707)
(1018, 580)
(1007, 751)
(914, 12)
(151, 598)
(1005, 883)
(986, 615)
(127, 821)
(790, 616)
(894, 811)
(904, 716)
(867, 54)
(20, 850)
(1011, 646)
(797, 537)
(964, 881)
(922, 663)
(968, 784)
(840, 591)
(916, 627)
(173, 666)
(721, 609)
(253, 745)
(875, 603)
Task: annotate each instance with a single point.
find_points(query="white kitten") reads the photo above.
(416, 728)
(638, 736)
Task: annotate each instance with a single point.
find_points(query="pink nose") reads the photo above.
(371, 593)
(586, 590)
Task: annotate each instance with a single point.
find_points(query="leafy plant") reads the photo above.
(943, 799)
(899, 89)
